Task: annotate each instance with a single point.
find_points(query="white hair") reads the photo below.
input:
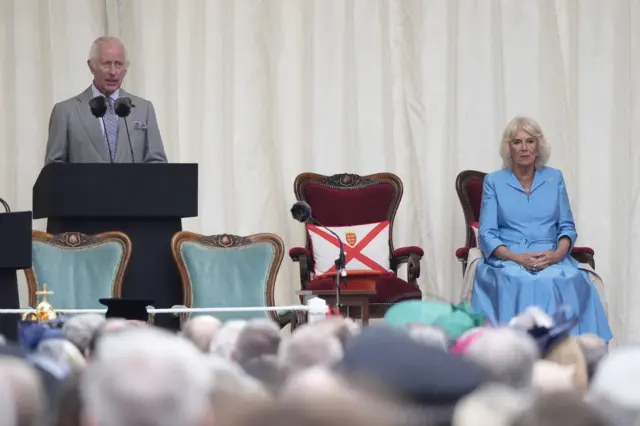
(313, 383)
(224, 343)
(492, 404)
(507, 354)
(307, 348)
(201, 331)
(64, 352)
(79, 329)
(94, 51)
(428, 335)
(532, 128)
(145, 376)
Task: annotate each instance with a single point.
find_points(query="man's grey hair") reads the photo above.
(201, 331)
(94, 51)
(307, 348)
(146, 376)
(224, 343)
(259, 338)
(507, 354)
(79, 329)
(26, 386)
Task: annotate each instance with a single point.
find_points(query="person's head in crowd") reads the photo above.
(507, 354)
(410, 380)
(228, 378)
(201, 331)
(79, 329)
(258, 338)
(145, 376)
(340, 327)
(224, 343)
(551, 377)
(428, 335)
(614, 388)
(63, 352)
(312, 383)
(2, 340)
(492, 404)
(569, 352)
(25, 384)
(307, 348)
(110, 326)
(562, 409)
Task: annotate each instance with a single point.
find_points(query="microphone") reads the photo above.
(98, 107)
(301, 212)
(122, 108)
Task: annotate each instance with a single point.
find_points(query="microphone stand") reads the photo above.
(340, 262)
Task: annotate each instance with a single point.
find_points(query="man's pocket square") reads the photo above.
(140, 125)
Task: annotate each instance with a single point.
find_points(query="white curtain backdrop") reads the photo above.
(257, 91)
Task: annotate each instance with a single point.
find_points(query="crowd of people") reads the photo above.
(117, 372)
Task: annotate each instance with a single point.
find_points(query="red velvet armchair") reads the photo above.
(469, 188)
(350, 200)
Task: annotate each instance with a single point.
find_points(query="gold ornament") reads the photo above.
(44, 311)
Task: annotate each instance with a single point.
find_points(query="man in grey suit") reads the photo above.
(76, 136)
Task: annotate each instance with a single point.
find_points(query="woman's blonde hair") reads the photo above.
(531, 127)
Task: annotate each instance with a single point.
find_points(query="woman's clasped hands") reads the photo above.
(537, 261)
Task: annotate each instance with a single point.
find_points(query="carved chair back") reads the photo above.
(349, 199)
(228, 271)
(77, 268)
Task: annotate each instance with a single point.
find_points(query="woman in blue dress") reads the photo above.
(526, 234)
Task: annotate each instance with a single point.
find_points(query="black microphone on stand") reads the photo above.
(301, 212)
(122, 108)
(98, 107)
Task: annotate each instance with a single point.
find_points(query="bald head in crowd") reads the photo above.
(201, 331)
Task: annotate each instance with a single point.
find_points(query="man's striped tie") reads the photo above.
(111, 128)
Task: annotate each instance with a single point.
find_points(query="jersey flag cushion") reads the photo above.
(366, 248)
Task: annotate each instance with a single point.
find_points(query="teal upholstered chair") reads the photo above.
(229, 271)
(79, 269)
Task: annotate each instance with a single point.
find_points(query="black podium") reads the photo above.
(15, 254)
(145, 201)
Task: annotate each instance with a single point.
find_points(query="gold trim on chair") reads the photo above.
(76, 240)
(228, 241)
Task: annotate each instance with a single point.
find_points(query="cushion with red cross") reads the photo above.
(366, 248)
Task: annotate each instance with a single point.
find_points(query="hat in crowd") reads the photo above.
(427, 378)
(454, 319)
(548, 336)
(129, 309)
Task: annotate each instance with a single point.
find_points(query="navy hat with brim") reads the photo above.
(130, 309)
(417, 373)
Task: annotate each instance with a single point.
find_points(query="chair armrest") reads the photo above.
(584, 255)
(462, 253)
(411, 256)
(305, 259)
(406, 251)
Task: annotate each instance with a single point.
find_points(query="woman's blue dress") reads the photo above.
(533, 223)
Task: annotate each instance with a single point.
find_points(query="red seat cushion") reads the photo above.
(389, 288)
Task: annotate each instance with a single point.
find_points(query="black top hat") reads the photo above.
(130, 309)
